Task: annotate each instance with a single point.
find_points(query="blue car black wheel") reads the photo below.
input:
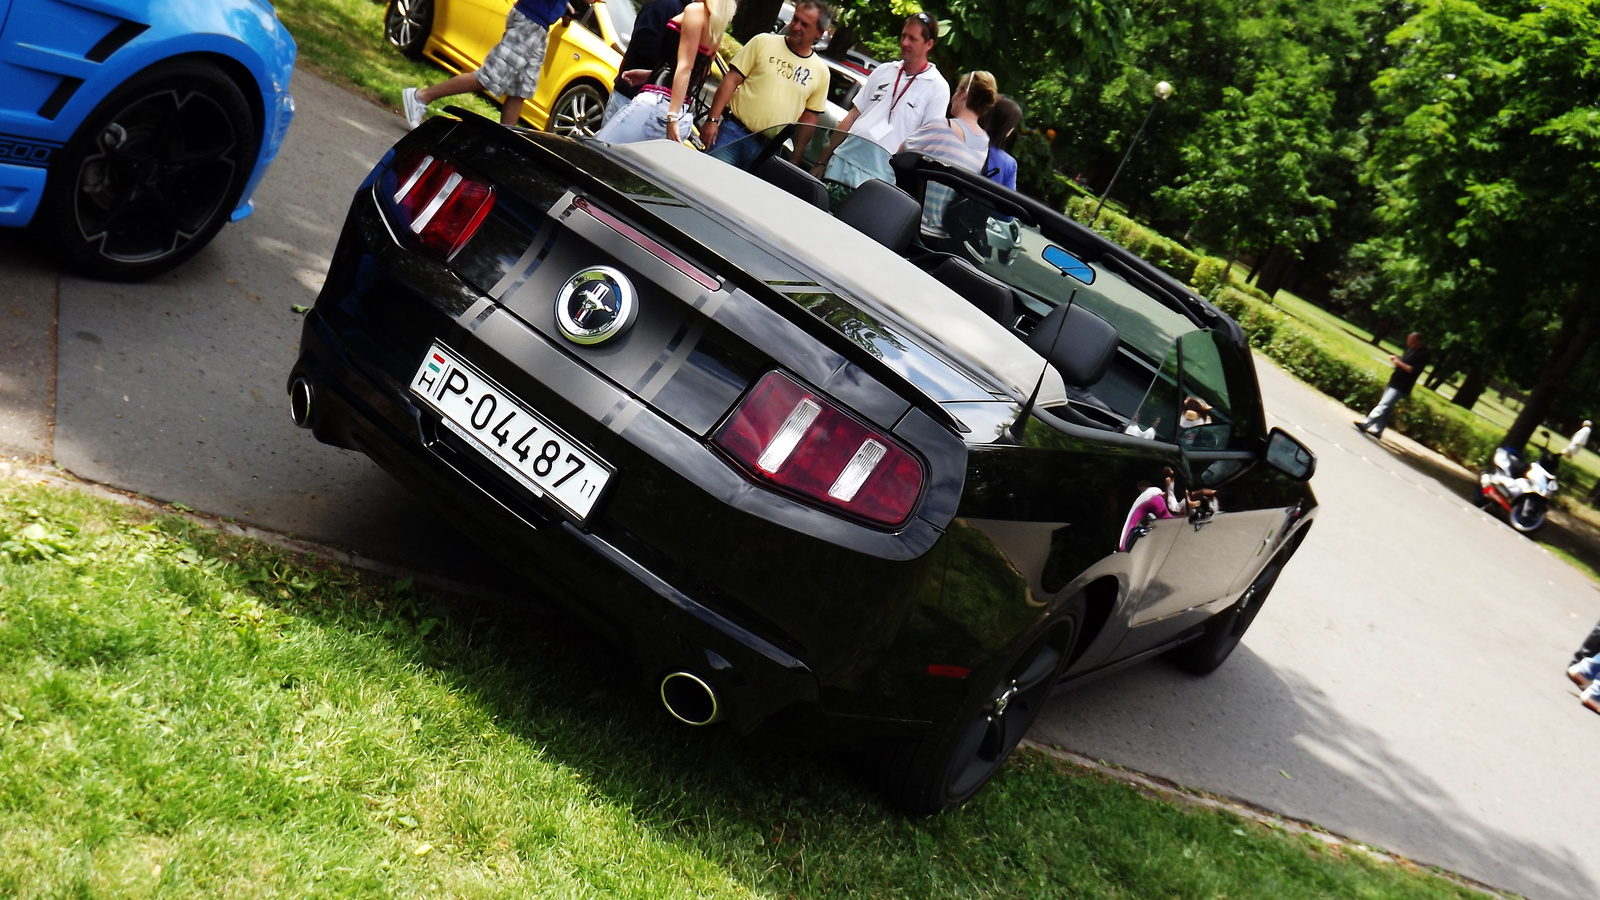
(153, 173)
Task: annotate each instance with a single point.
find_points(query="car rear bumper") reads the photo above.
(666, 628)
(713, 589)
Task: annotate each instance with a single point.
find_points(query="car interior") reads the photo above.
(1106, 337)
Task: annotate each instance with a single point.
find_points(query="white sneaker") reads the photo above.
(414, 108)
(1578, 676)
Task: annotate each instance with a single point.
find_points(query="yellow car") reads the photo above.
(579, 67)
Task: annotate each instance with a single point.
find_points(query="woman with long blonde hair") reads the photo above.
(663, 108)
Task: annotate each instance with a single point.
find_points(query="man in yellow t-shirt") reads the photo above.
(775, 79)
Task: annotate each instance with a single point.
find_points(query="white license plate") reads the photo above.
(536, 454)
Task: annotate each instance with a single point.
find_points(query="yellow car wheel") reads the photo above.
(579, 110)
(406, 24)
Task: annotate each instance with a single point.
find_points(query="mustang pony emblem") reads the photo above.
(595, 305)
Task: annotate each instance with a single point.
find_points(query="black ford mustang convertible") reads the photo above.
(888, 458)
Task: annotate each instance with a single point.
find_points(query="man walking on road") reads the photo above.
(1406, 369)
(776, 79)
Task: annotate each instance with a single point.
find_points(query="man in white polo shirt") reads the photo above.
(896, 100)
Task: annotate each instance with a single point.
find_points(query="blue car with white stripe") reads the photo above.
(131, 131)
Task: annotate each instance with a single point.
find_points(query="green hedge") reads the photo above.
(1424, 417)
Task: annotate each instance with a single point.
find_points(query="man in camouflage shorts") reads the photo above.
(512, 67)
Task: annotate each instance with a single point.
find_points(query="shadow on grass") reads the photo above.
(777, 816)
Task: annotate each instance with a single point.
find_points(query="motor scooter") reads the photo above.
(1522, 488)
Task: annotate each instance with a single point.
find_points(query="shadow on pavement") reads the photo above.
(1275, 739)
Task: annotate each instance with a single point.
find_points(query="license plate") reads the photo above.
(536, 454)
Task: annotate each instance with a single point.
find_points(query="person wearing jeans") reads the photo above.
(774, 80)
(1585, 673)
(1406, 370)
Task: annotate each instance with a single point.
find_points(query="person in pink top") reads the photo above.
(1154, 502)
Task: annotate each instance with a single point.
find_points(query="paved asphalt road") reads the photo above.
(1403, 686)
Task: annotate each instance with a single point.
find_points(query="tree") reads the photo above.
(1253, 163)
(1018, 39)
(1489, 176)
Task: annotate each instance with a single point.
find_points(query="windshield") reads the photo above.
(622, 13)
(832, 161)
(1047, 274)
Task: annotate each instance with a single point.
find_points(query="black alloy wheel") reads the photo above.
(153, 173)
(579, 111)
(407, 24)
(1207, 653)
(946, 767)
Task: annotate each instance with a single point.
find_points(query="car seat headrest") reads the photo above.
(882, 212)
(981, 290)
(797, 181)
(1085, 348)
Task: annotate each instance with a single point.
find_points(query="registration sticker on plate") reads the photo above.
(523, 444)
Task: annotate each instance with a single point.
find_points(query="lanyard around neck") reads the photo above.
(896, 95)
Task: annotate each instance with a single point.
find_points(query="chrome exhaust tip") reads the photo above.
(300, 396)
(689, 699)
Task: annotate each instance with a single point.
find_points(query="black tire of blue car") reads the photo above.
(152, 174)
(956, 757)
(1207, 653)
(407, 24)
(579, 110)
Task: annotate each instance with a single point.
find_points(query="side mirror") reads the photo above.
(1289, 456)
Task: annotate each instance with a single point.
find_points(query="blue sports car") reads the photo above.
(131, 130)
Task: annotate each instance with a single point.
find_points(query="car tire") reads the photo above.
(152, 174)
(407, 24)
(956, 757)
(579, 110)
(1223, 631)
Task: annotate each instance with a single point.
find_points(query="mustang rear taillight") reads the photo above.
(439, 205)
(794, 439)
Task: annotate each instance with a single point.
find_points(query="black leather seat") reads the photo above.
(882, 212)
(795, 180)
(981, 290)
(1085, 348)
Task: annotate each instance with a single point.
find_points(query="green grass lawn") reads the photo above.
(183, 714)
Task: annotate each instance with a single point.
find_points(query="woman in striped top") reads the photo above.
(957, 141)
